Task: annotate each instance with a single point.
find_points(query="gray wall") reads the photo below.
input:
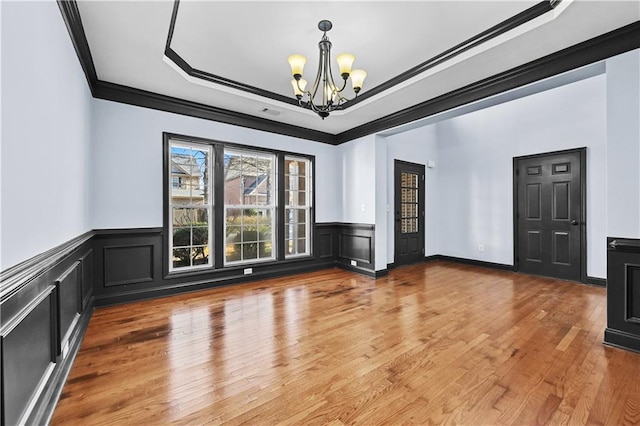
(126, 164)
(45, 133)
(623, 145)
(475, 153)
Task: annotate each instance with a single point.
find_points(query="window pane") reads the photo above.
(265, 250)
(200, 236)
(249, 251)
(234, 217)
(190, 175)
(248, 179)
(302, 183)
(190, 203)
(302, 168)
(181, 258)
(302, 245)
(181, 237)
(264, 232)
(302, 198)
(200, 255)
(233, 252)
(200, 217)
(233, 234)
(181, 216)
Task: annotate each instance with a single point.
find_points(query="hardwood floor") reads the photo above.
(428, 344)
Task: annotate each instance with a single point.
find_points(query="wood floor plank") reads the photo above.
(436, 343)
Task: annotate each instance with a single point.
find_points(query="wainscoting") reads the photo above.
(45, 303)
(130, 263)
(623, 293)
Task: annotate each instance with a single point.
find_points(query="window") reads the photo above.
(227, 206)
(191, 206)
(249, 206)
(297, 217)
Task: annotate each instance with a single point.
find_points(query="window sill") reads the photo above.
(239, 267)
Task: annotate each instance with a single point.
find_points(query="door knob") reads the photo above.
(574, 222)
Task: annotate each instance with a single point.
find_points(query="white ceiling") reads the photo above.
(249, 42)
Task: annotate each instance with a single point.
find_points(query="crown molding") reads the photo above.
(596, 49)
(142, 98)
(71, 18)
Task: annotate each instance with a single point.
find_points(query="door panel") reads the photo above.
(533, 201)
(534, 246)
(549, 202)
(409, 212)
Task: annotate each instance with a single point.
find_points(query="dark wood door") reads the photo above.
(409, 212)
(550, 214)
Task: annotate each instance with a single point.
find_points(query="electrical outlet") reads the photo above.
(354, 263)
(363, 207)
(480, 247)
(248, 271)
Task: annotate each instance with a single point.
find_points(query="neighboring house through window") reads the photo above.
(250, 205)
(191, 206)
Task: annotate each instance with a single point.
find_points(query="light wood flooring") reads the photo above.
(436, 343)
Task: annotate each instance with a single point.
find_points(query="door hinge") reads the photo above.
(422, 177)
(422, 250)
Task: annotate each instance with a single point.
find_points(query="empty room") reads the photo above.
(320, 212)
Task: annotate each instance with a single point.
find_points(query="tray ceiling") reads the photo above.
(248, 42)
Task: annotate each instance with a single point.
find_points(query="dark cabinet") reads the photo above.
(623, 293)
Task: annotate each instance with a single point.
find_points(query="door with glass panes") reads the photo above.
(409, 212)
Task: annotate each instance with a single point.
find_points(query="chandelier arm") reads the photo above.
(333, 82)
(314, 88)
(327, 83)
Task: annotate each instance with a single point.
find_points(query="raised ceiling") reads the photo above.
(248, 43)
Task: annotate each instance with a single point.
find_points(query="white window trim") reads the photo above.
(209, 206)
(272, 207)
(307, 207)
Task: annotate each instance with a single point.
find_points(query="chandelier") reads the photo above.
(329, 93)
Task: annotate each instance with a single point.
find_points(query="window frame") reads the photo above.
(273, 207)
(217, 239)
(210, 207)
(308, 206)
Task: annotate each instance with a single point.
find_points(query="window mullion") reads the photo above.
(219, 239)
(280, 209)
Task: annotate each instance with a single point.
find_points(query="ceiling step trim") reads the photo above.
(497, 30)
(619, 41)
(596, 49)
